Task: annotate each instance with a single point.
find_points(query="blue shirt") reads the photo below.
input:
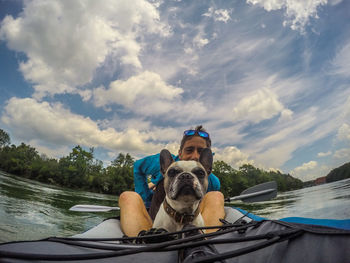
(150, 165)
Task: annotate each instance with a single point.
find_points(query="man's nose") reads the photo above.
(195, 156)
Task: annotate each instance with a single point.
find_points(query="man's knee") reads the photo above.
(212, 201)
(129, 198)
(214, 197)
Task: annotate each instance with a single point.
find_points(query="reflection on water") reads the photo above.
(323, 201)
(31, 210)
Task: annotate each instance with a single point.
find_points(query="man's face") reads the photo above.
(192, 149)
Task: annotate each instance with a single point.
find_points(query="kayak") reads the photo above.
(243, 237)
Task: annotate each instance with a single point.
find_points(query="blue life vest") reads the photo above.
(150, 165)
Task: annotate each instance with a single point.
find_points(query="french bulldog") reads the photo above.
(185, 184)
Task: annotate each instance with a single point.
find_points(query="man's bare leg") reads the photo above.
(212, 209)
(133, 214)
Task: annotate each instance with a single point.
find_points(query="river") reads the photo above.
(30, 210)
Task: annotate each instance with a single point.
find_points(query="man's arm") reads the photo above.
(142, 168)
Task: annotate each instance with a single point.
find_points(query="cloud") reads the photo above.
(335, 2)
(274, 144)
(232, 155)
(147, 94)
(147, 87)
(31, 120)
(286, 115)
(306, 166)
(200, 41)
(343, 154)
(297, 12)
(222, 15)
(322, 154)
(344, 133)
(51, 152)
(66, 41)
(308, 171)
(275, 155)
(341, 61)
(261, 105)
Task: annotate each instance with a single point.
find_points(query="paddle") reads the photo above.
(257, 193)
(93, 208)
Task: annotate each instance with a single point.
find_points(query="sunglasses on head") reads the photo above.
(199, 133)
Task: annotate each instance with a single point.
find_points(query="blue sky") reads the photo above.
(269, 80)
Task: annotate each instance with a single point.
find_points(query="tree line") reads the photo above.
(233, 181)
(339, 173)
(80, 170)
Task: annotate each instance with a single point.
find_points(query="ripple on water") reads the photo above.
(31, 210)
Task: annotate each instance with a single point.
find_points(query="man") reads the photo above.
(134, 216)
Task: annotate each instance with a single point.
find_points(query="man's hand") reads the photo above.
(151, 186)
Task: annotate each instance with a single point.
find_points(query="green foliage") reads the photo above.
(339, 173)
(119, 176)
(18, 160)
(77, 170)
(4, 138)
(81, 170)
(233, 182)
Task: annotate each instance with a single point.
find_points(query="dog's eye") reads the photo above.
(200, 173)
(172, 172)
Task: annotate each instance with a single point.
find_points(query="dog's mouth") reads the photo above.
(187, 190)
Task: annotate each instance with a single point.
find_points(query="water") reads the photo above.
(30, 210)
(330, 201)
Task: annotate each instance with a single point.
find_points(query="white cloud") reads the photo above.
(322, 154)
(41, 121)
(199, 41)
(261, 105)
(298, 12)
(147, 87)
(335, 2)
(232, 156)
(222, 15)
(343, 154)
(52, 152)
(306, 166)
(148, 95)
(309, 171)
(286, 115)
(66, 41)
(344, 133)
(341, 62)
(276, 155)
(173, 147)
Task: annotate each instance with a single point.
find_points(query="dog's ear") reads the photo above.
(165, 160)
(206, 159)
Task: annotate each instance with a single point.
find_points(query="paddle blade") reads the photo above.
(92, 208)
(272, 186)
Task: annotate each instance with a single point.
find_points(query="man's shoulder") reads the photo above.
(148, 158)
(154, 157)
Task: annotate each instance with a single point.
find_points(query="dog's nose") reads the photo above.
(185, 176)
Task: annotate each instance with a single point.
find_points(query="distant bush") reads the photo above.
(233, 182)
(339, 173)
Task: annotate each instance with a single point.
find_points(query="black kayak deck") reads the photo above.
(255, 241)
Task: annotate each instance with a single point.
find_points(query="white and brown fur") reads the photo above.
(185, 184)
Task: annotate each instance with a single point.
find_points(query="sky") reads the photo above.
(268, 79)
